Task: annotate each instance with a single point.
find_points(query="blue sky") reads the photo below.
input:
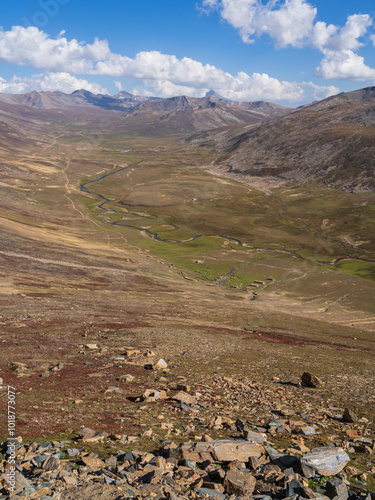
(286, 51)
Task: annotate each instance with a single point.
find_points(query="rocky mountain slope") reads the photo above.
(185, 114)
(276, 452)
(330, 141)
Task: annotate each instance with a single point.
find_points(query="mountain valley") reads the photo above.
(233, 241)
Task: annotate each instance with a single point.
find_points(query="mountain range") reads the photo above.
(332, 141)
(145, 115)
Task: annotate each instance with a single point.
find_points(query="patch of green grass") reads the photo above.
(318, 483)
(356, 268)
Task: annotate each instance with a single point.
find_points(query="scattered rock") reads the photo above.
(239, 483)
(310, 380)
(93, 462)
(90, 436)
(308, 430)
(126, 378)
(254, 437)
(184, 397)
(112, 389)
(51, 464)
(220, 451)
(160, 365)
(18, 367)
(350, 416)
(336, 487)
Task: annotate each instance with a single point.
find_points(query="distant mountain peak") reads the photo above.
(215, 95)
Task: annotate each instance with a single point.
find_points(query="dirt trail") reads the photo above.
(63, 263)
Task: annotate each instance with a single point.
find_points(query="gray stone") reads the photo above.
(28, 491)
(273, 453)
(336, 487)
(294, 487)
(39, 459)
(45, 446)
(212, 493)
(274, 423)
(308, 430)
(254, 437)
(190, 463)
(73, 452)
(324, 462)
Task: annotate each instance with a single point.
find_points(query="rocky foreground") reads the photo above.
(276, 452)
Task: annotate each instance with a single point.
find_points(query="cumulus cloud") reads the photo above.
(332, 37)
(288, 23)
(51, 81)
(34, 47)
(344, 64)
(242, 87)
(292, 23)
(322, 92)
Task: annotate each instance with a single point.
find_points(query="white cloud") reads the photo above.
(118, 85)
(34, 47)
(51, 81)
(346, 38)
(322, 92)
(242, 87)
(288, 24)
(344, 64)
(292, 23)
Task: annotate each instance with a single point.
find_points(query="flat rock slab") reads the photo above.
(324, 462)
(93, 462)
(220, 451)
(184, 397)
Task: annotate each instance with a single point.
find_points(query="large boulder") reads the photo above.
(324, 462)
